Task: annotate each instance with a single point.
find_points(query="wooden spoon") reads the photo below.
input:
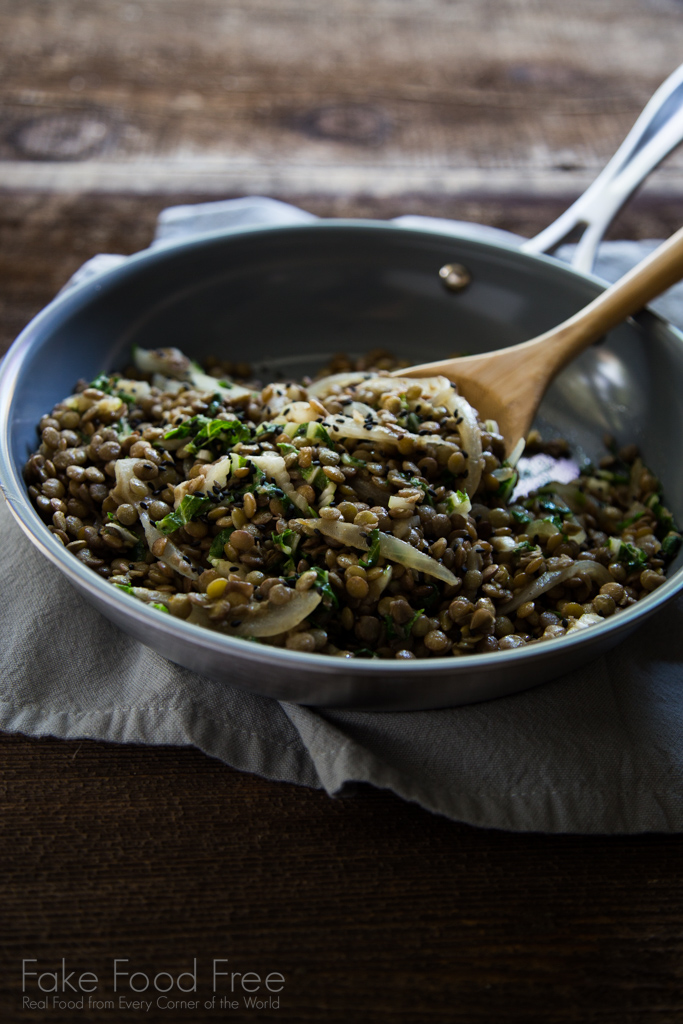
(507, 385)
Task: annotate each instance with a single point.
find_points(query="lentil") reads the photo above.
(366, 600)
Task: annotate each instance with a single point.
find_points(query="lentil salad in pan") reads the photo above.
(358, 515)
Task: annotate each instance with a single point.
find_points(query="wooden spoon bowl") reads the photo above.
(507, 385)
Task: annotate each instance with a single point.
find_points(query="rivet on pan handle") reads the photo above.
(658, 130)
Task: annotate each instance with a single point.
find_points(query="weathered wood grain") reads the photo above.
(373, 909)
(346, 97)
(45, 237)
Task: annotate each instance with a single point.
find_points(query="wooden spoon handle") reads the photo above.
(648, 279)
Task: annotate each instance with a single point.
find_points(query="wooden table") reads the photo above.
(372, 909)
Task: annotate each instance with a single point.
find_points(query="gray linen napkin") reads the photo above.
(599, 750)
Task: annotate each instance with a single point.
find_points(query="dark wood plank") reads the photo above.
(373, 909)
(45, 237)
(350, 97)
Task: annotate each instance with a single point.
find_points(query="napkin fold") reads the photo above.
(598, 751)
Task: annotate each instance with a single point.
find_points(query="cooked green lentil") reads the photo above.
(357, 515)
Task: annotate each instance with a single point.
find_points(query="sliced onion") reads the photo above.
(457, 502)
(128, 536)
(570, 493)
(125, 475)
(541, 528)
(402, 504)
(470, 436)
(552, 578)
(379, 584)
(386, 433)
(171, 362)
(504, 545)
(269, 620)
(272, 464)
(436, 390)
(227, 569)
(277, 401)
(339, 426)
(400, 551)
(169, 384)
(216, 476)
(346, 533)
(328, 385)
(136, 388)
(327, 495)
(360, 411)
(295, 412)
(210, 385)
(587, 619)
(516, 453)
(390, 547)
(171, 555)
(150, 596)
(274, 467)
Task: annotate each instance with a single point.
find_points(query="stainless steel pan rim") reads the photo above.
(391, 685)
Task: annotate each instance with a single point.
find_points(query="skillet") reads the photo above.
(287, 298)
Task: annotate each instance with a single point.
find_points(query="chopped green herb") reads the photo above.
(373, 554)
(413, 422)
(322, 584)
(185, 429)
(629, 520)
(320, 434)
(287, 542)
(394, 630)
(103, 382)
(219, 541)
(520, 515)
(507, 487)
(349, 460)
(548, 505)
(122, 428)
(125, 589)
(314, 431)
(663, 516)
(671, 544)
(629, 554)
(190, 508)
(424, 486)
(314, 476)
(219, 436)
(138, 553)
(459, 502)
(160, 607)
(409, 625)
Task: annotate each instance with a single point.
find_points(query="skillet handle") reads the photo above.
(658, 130)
